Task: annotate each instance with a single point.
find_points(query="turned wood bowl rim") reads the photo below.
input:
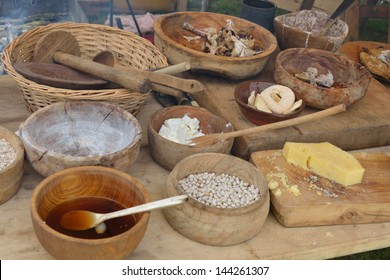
(34, 204)
(156, 135)
(9, 135)
(304, 51)
(172, 180)
(198, 54)
(42, 149)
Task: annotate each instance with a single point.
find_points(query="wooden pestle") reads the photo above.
(62, 47)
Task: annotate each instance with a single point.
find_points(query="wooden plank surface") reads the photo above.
(18, 241)
(365, 124)
(322, 202)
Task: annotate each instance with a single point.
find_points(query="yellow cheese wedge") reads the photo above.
(326, 160)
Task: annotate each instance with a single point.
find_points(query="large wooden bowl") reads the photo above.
(168, 153)
(11, 175)
(212, 225)
(88, 181)
(350, 78)
(169, 39)
(76, 133)
(300, 29)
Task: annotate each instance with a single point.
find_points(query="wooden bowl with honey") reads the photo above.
(228, 199)
(94, 188)
(168, 152)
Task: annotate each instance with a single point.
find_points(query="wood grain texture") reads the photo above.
(11, 176)
(170, 40)
(168, 153)
(365, 124)
(324, 202)
(104, 134)
(351, 79)
(213, 225)
(88, 181)
(18, 240)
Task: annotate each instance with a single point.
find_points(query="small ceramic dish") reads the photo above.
(241, 95)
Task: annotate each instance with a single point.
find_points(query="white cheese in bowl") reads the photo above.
(181, 130)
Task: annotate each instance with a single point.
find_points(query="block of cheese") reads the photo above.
(326, 160)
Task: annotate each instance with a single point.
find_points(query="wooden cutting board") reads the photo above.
(319, 201)
(365, 124)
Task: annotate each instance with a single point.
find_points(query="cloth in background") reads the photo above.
(145, 22)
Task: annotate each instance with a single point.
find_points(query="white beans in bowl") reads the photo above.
(219, 190)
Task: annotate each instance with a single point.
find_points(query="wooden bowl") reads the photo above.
(211, 225)
(168, 153)
(300, 29)
(11, 175)
(241, 95)
(169, 37)
(88, 181)
(350, 78)
(351, 51)
(76, 133)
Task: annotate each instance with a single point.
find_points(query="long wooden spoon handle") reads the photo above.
(174, 69)
(273, 126)
(133, 82)
(159, 204)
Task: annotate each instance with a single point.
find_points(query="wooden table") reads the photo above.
(18, 241)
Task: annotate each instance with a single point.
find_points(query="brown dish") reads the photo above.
(168, 153)
(170, 38)
(94, 185)
(351, 79)
(241, 95)
(351, 50)
(57, 75)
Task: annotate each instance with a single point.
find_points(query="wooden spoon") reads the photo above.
(210, 139)
(82, 220)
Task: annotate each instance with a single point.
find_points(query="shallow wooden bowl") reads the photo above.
(212, 225)
(300, 29)
(11, 175)
(88, 181)
(76, 133)
(350, 78)
(241, 95)
(351, 51)
(169, 39)
(168, 153)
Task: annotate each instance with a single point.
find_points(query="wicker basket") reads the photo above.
(131, 50)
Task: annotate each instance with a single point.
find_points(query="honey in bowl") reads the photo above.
(114, 226)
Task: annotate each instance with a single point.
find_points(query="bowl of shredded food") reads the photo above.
(214, 43)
